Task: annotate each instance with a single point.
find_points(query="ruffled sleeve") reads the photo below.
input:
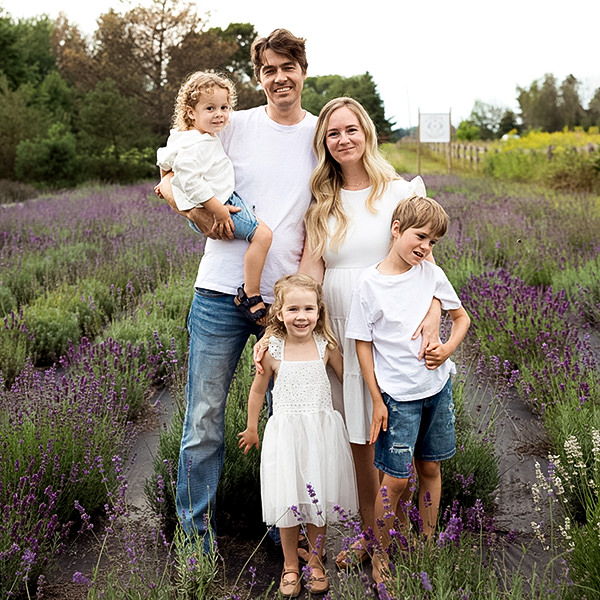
(276, 347)
(418, 186)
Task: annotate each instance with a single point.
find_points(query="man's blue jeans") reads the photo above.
(218, 333)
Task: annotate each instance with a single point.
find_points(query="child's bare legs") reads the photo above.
(254, 261)
(430, 492)
(385, 506)
(316, 542)
(367, 481)
(289, 545)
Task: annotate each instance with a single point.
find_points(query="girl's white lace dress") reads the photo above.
(306, 467)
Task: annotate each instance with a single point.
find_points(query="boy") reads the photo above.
(413, 413)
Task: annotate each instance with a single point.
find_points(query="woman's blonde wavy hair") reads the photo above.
(196, 85)
(304, 282)
(327, 180)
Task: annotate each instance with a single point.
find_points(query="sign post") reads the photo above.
(434, 128)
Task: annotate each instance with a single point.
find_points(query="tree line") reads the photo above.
(74, 108)
(544, 105)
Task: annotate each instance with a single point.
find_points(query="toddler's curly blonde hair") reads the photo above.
(196, 85)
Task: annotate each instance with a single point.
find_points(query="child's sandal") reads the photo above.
(241, 300)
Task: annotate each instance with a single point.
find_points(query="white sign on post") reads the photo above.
(434, 127)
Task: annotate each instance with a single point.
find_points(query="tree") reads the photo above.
(25, 50)
(52, 160)
(73, 55)
(319, 90)
(593, 112)
(467, 131)
(110, 123)
(570, 108)
(539, 105)
(508, 123)
(487, 118)
(133, 49)
(19, 120)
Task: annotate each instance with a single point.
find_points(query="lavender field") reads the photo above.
(94, 291)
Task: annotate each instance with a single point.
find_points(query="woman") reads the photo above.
(355, 191)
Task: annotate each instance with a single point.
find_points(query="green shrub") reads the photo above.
(52, 161)
(572, 170)
(53, 328)
(529, 165)
(8, 302)
(16, 345)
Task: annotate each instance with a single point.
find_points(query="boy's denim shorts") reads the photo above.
(423, 429)
(244, 221)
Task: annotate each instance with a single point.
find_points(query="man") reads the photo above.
(270, 148)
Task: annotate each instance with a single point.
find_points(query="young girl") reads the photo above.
(306, 463)
(203, 177)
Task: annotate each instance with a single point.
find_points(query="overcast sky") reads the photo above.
(429, 55)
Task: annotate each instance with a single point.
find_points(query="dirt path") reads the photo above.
(520, 441)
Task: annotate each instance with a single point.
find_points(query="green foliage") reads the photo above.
(25, 47)
(52, 160)
(318, 91)
(467, 131)
(53, 326)
(109, 122)
(15, 347)
(573, 170)
(583, 287)
(19, 120)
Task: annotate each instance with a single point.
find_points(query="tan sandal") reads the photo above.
(353, 557)
(318, 585)
(290, 589)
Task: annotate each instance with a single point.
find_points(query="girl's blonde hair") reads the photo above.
(196, 85)
(303, 282)
(327, 180)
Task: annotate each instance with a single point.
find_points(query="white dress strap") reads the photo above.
(321, 343)
(276, 347)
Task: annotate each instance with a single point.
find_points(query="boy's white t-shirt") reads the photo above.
(272, 165)
(200, 166)
(386, 310)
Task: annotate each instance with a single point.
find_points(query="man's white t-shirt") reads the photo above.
(272, 165)
(386, 310)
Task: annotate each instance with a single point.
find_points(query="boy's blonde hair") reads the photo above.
(303, 282)
(196, 85)
(417, 211)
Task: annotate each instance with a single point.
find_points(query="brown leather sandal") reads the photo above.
(353, 557)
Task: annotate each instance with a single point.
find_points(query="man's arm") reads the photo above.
(202, 218)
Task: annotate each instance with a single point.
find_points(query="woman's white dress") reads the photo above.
(306, 468)
(366, 243)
